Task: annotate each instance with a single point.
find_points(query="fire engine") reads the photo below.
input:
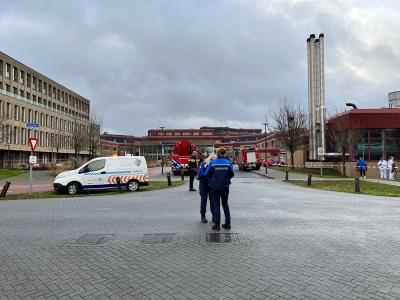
(179, 159)
(248, 158)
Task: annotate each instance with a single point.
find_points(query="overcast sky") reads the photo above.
(190, 63)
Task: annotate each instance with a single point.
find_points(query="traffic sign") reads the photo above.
(33, 142)
(32, 125)
(32, 159)
(321, 151)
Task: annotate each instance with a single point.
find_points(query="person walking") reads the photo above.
(391, 167)
(382, 164)
(192, 169)
(220, 171)
(361, 166)
(204, 189)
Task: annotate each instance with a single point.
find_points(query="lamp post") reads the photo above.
(162, 149)
(265, 149)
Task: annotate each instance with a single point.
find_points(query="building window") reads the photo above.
(8, 133)
(21, 77)
(16, 135)
(186, 133)
(168, 133)
(206, 133)
(28, 80)
(8, 69)
(177, 133)
(195, 133)
(16, 112)
(41, 140)
(15, 74)
(9, 111)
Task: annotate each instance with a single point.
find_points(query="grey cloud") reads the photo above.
(145, 64)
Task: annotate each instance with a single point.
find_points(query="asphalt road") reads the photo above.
(286, 242)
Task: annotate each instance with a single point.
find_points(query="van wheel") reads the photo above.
(132, 185)
(73, 188)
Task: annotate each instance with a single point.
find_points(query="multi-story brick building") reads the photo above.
(206, 139)
(28, 97)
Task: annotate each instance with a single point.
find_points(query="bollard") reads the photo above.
(169, 179)
(118, 184)
(309, 179)
(357, 185)
(5, 189)
(182, 174)
(266, 169)
(287, 175)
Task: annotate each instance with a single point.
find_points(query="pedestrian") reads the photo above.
(204, 189)
(382, 164)
(391, 167)
(192, 169)
(220, 171)
(361, 166)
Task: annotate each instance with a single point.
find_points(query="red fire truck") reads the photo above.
(179, 159)
(248, 158)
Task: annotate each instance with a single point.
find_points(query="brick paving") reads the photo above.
(295, 243)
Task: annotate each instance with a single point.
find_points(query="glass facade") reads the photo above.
(378, 143)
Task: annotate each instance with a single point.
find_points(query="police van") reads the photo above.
(102, 173)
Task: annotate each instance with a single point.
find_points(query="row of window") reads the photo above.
(19, 136)
(374, 149)
(169, 133)
(20, 113)
(39, 86)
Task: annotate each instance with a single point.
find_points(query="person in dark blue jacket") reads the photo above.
(220, 171)
(361, 166)
(205, 189)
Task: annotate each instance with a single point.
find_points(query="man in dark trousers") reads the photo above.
(220, 171)
(192, 169)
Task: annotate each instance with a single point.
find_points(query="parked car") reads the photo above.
(269, 162)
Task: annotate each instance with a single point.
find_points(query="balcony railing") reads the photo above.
(41, 105)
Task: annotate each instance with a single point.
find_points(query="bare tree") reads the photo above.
(93, 133)
(344, 130)
(289, 122)
(77, 138)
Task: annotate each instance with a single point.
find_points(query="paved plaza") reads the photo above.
(286, 242)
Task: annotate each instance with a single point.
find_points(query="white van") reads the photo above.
(102, 173)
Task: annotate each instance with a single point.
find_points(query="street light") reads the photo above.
(265, 149)
(162, 149)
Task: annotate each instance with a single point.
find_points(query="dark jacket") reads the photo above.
(219, 171)
(192, 165)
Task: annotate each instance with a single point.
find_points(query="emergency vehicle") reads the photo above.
(248, 158)
(102, 173)
(180, 158)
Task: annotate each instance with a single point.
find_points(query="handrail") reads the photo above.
(41, 105)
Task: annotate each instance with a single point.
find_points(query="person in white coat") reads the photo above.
(382, 164)
(391, 167)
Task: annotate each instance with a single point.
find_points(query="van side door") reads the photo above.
(94, 175)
